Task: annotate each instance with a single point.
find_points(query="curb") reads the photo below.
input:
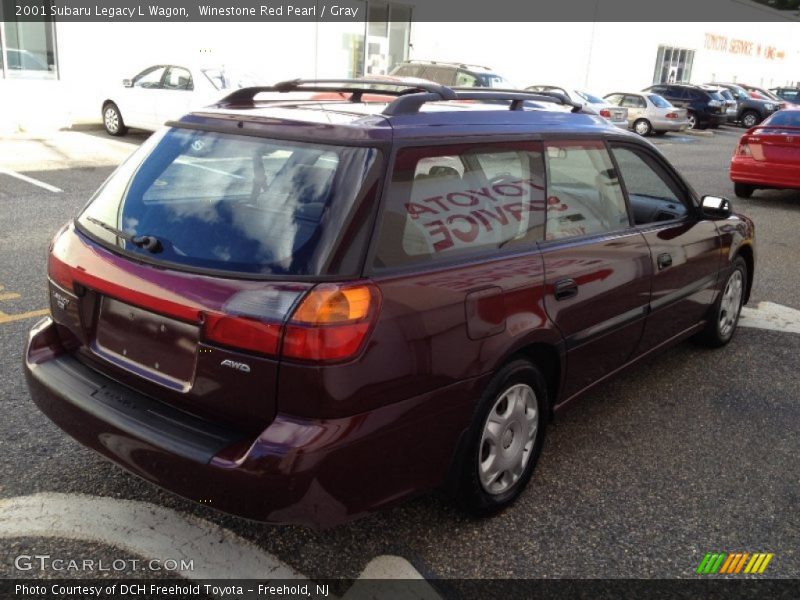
(699, 132)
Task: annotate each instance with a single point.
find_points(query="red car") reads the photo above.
(768, 155)
(304, 310)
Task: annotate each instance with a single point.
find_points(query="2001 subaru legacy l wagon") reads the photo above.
(303, 310)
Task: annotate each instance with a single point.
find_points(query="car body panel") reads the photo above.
(774, 155)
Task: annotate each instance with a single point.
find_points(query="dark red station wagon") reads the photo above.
(302, 310)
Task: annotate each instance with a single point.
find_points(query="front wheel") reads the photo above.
(112, 120)
(505, 440)
(692, 118)
(724, 316)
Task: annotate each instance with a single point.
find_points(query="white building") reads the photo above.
(54, 74)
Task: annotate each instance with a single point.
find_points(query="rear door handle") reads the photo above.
(664, 261)
(565, 288)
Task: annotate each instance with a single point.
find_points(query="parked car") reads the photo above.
(163, 92)
(790, 95)
(247, 313)
(617, 115)
(750, 111)
(451, 74)
(650, 113)
(731, 106)
(768, 155)
(763, 94)
(704, 108)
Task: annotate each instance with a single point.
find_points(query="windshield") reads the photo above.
(659, 101)
(590, 98)
(239, 203)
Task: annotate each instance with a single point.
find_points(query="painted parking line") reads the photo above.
(156, 532)
(21, 177)
(7, 318)
(771, 316)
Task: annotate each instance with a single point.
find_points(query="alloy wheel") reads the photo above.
(508, 438)
(731, 304)
(111, 120)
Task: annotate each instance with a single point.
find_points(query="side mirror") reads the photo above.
(127, 82)
(716, 207)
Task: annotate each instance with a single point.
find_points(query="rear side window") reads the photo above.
(584, 196)
(451, 201)
(631, 101)
(241, 204)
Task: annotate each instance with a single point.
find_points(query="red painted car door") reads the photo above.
(685, 248)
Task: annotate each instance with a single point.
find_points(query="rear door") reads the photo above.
(685, 248)
(636, 106)
(597, 267)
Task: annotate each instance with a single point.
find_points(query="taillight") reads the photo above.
(243, 333)
(672, 115)
(331, 322)
(57, 270)
(743, 149)
(604, 112)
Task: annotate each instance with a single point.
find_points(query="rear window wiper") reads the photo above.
(146, 242)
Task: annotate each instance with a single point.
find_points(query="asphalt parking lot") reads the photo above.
(693, 451)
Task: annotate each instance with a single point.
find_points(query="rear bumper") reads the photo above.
(313, 472)
(663, 124)
(748, 170)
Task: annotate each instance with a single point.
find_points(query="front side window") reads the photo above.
(149, 79)
(453, 201)
(240, 204)
(464, 79)
(652, 193)
(584, 196)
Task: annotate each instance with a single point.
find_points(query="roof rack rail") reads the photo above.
(355, 87)
(411, 103)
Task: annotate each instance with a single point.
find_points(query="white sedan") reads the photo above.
(164, 92)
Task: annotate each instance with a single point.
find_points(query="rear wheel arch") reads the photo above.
(549, 360)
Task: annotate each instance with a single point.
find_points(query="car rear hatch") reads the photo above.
(179, 276)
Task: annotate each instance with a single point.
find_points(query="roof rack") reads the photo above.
(410, 96)
(355, 87)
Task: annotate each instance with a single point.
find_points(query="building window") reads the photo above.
(28, 47)
(387, 34)
(673, 65)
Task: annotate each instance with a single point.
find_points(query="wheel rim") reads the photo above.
(508, 438)
(692, 122)
(749, 120)
(111, 119)
(731, 304)
(642, 128)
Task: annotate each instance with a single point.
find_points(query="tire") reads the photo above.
(112, 120)
(724, 316)
(743, 190)
(750, 119)
(692, 117)
(508, 428)
(642, 127)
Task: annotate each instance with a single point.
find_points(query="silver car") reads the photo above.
(650, 113)
(617, 115)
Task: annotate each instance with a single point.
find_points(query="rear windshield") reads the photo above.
(236, 203)
(590, 98)
(784, 118)
(658, 101)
